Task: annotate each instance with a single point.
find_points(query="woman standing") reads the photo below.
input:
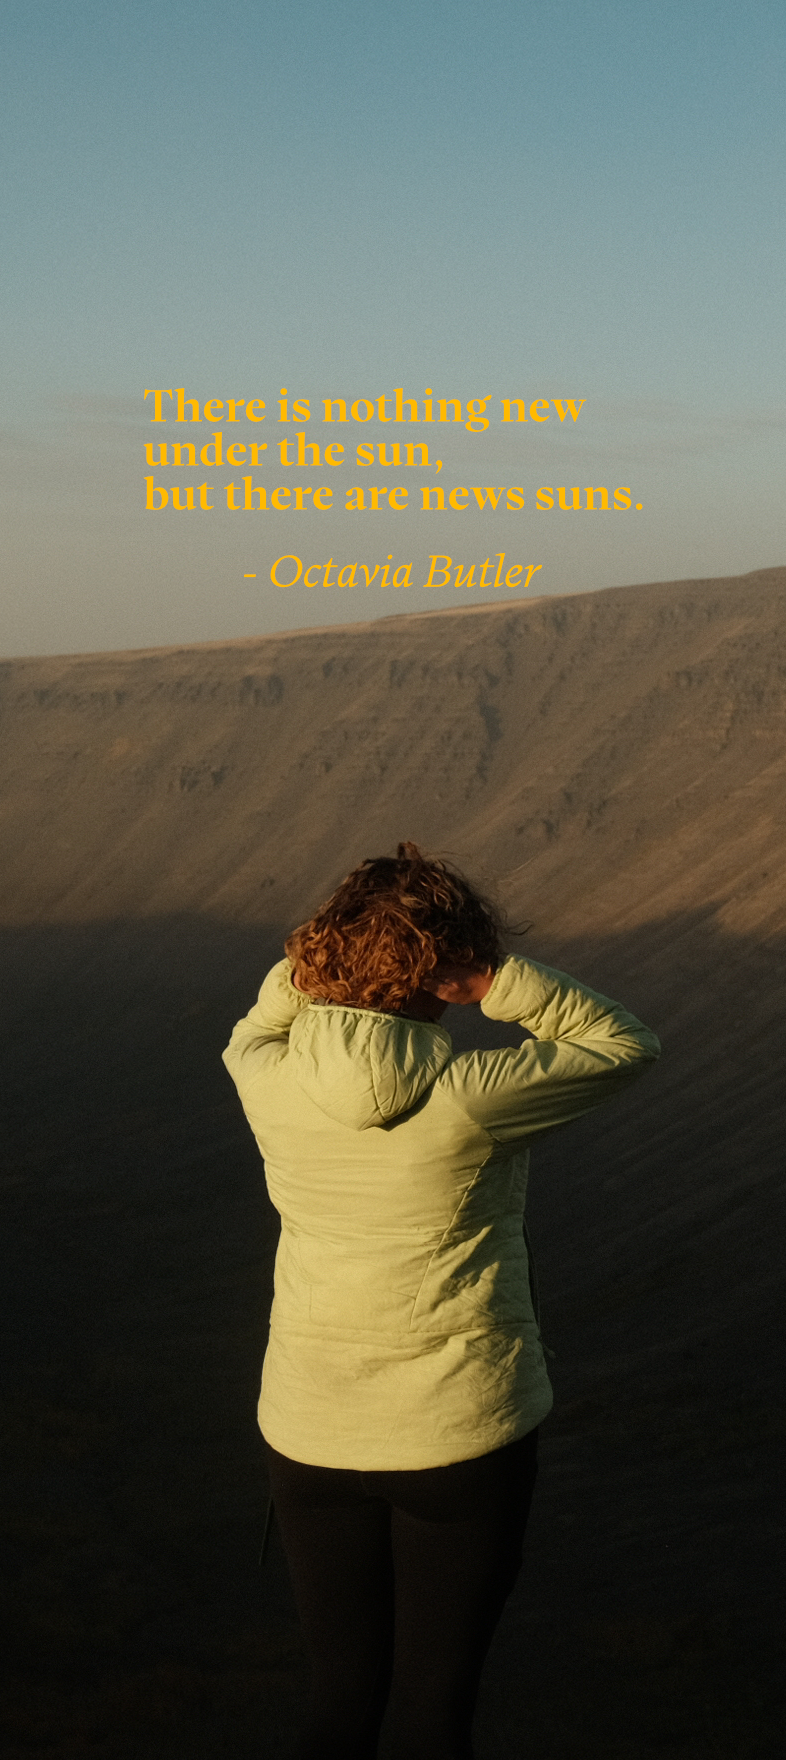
(404, 1379)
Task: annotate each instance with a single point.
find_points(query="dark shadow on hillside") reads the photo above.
(134, 1308)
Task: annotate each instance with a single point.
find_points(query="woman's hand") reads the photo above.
(460, 984)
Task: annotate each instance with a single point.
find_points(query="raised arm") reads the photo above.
(585, 1049)
(264, 1031)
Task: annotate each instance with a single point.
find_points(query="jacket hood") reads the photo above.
(364, 1068)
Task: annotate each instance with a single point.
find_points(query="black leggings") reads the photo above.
(435, 1552)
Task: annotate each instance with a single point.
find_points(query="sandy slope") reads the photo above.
(615, 763)
(643, 725)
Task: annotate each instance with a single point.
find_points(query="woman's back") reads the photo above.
(402, 1330)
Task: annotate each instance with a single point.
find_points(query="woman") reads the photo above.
(404, 1379)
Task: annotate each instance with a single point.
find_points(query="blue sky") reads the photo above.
(572, 200)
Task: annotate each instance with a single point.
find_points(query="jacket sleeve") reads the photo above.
(585, 1049)
(264, 1032)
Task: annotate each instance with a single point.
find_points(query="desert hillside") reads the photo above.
(613, 764)
(641, 727)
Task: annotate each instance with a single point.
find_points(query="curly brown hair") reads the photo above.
(388, 926)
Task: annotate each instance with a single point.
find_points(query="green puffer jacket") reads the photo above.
(402, 1332)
